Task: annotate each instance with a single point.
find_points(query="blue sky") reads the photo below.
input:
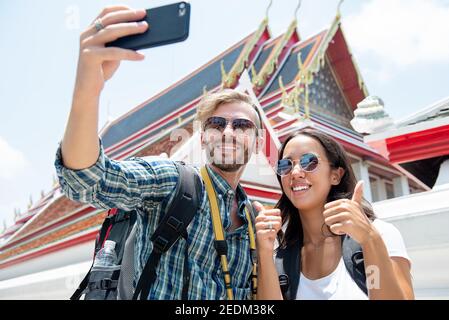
(401, 48)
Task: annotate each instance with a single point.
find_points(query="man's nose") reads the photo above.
(228, 130)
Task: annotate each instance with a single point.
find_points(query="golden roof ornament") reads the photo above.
(229, 79)
(30, 204)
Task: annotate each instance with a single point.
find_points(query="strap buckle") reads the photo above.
(221, 246)
(175, 224)
(284, 282)
(103, 284)
(120, 216)
(160, 244)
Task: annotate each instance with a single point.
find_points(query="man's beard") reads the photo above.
(228, 164)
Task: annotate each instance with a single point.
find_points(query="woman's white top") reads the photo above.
(339, 285)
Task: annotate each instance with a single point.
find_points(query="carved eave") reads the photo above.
(277, 55)
(248, 54)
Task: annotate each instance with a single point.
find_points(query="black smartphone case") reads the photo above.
(167, 24)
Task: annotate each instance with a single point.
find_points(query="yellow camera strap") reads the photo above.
(220, 242)
(252, 247)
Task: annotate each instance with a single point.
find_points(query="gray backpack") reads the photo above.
(112, 283)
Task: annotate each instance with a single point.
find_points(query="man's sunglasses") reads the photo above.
(220, 123)
(308, 162)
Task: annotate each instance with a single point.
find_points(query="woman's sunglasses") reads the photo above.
(220, 123)
(308, 162)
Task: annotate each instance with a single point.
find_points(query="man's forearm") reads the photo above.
(80, 146)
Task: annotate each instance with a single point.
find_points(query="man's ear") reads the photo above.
(336, 176)
(202, 137)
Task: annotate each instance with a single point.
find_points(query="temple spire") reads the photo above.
(338, 15)
(30, 204)
(268, 9)
(297, 9)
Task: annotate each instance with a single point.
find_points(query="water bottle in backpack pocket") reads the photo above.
(103, 278)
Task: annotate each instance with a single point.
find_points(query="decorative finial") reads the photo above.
(297, 8)
(253, 73)
(300, 63)
(338, 9)
(283, 90)
(268, 9)
(30, 204)
(223, 74)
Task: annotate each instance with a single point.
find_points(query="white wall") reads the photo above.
(423, 220)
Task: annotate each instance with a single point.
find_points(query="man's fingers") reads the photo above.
(109, 9)
(115, 31)
(115, 17)
(113, 54)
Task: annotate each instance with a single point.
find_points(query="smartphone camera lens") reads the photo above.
(182, 9)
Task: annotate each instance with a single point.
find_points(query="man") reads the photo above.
(230, 123)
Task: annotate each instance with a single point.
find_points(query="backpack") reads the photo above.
(288, 262)
(111, 283)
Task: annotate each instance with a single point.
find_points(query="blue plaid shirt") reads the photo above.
(148, 186)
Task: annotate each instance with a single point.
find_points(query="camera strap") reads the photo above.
(220, 242)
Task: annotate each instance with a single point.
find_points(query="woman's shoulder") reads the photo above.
(392, 238)
(384, 226)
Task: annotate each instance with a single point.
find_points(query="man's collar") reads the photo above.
(222, 186)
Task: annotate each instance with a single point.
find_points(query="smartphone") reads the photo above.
(167, 24)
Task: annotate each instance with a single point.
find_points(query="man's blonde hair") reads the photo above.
(212, 101)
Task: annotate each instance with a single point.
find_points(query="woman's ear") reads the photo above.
(336, 176)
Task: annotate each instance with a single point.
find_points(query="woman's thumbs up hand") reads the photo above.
(268, 223)
(346, 216)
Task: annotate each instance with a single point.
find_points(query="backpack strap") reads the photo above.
(288, 262)
(353, 257)
(180, 213)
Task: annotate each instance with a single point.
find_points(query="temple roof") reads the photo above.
(146, 126)
(171, 99)
(418, 142)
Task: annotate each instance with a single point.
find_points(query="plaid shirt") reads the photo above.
(148, 186)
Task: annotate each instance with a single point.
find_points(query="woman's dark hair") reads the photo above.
(337, 158)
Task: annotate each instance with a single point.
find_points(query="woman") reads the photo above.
(320, 202)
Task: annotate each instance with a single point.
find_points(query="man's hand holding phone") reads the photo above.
(113, 36)
(97, 63)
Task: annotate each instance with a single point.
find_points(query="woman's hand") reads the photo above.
(346, 216)
(97, 63)
(265, 236)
